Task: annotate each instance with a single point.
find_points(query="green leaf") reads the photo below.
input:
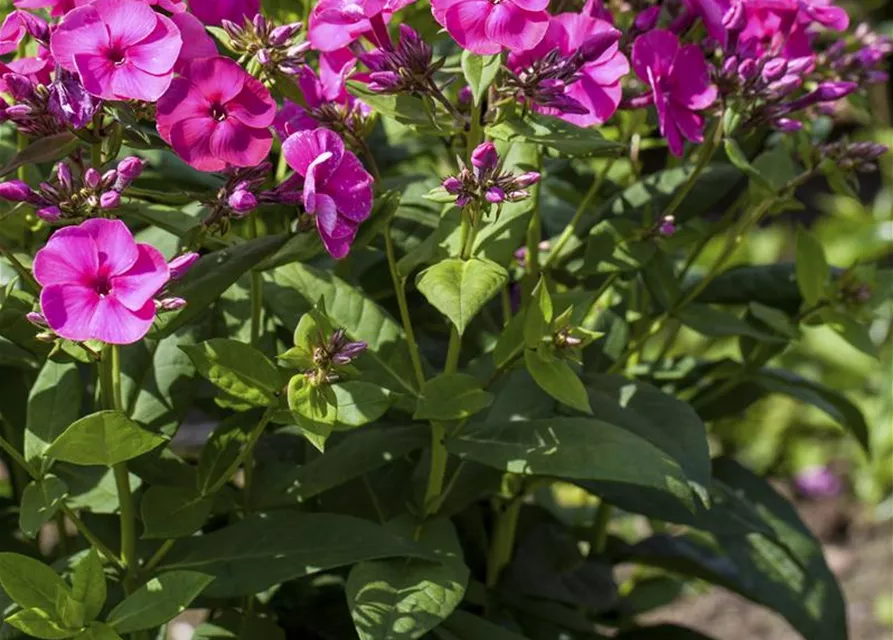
(511, 342)
(812, 267)
(358, 403)
(853, 332)
(43, 149)
(267, 549)
(774, 285)
(777, 167)
(30, 583)
(213, 274)
(452, 396)
(406, 109)
(53, 404)
(88, 585)
(350, 310)
(480, 71)
(223, 448)
(359, 453)
(573, 448)
(466, 626)
(39, 624)
(311, 402)
(173, 512)
(538, 318)
(398, 598)
(158, 601)
(556, 377)
(41, 500)
(103, 438)
(237, 368)
(562, 136)
(736, 157)
(716, 323)
(98, 631)
(459, 289)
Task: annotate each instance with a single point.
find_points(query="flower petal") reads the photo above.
(69, 309)
(132, 83)
(158, 52)
(691, 79)
(69, 257)
(191, 139)
(531, 5)
(239, 144)
(338, 242)
(97, 73)
(350, 186)
(143, 280)
(81, 30)
(466, 22)
(254, 106)
(514, 28)
(302, 148)
(196, 41)
(181, 101)
(326, 213)
(113, 323)
(219, 79)
(128, 21)
(654, 50)
(115, 245)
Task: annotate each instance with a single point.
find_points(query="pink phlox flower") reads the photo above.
(196, 41)
(334, 24)
(216, 115)
(598, 88)
(214, 12)
(57, 7)
(38, 69)
(486, 27)
(98, 283)
(597, 9)
(679, 78)
(16, 25)
(337, 190)
(122, 49)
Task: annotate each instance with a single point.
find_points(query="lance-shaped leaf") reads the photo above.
(239, 369)
(158, 601)
(104, 438)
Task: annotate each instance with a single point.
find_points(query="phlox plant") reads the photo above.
(375, 318)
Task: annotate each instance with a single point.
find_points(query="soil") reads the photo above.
(859, 553)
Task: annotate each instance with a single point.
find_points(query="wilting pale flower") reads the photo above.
(337, 190)
(216, 115)
(680, 84)
(122, 49)
(485, 27)
(98, 284)
(213, 12)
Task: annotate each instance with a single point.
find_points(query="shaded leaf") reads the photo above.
(452, 396)
(158, 601)
(88, 585)
(459, 289)
(237, 368)
(480, 71)
(173, 512)
(30, 583)
(39, 624)
(103, 438)
(53, 404)
(41, 499)
(554, 133)
(43, 149)
(556, 377)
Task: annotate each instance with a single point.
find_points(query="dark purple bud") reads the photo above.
(647, 19)
(20, 87)
(495, 195)
(49, 214)
(36, 27)
(787, 125)
(527, 179)
(409, 36)
(800, 66)
(783, 87)
(465, 95)
(729, 66)
(567, 104)
(348, 352)
(667, 226)
(181, 264)
(774, 69)
(748, 70)
(263, 56)
(233, 30)
(484, 158)
(463, 200)
(92, 178)
(16, 191)
(260, 23)
(593, 48)
(170, 304)
(282, 34)
(830, 91)
(735, 18)
(110, 200)
(69, 101)
(384, 81)
(18, 111)
(452, 184)
(130, 168)
(109, 178)
(242, 201)
(63, 174)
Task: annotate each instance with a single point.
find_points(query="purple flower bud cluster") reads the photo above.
(69, 101)
(858, 156)
(31, 114)
(407, 68)
(336, 351)
(274, 48)
(485, 182)
(242, 194)
(864, 65)
(818, 482)
(68, 198)
(545, 80)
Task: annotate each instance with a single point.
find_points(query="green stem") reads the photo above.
(453, 350)
(600, 527)
(158, 556)
(400, 291)
(568, 233)
(503, 542)
(437, 472)
(534, 235)
(256, 293)
(21, 270)
(704, 158)
(247, 451)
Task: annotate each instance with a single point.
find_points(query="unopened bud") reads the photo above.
(282, 34)
(495, 195)
(170, 304)
(15, 191)
(787, 125)
(774, 69)
(49, 214)
(242, 201)
(527, 179)
(484, 158)
(110, 200)
(735, 18)
(647, 19)
(37, 319)
(92, 178)
(667, 226)
(130, 168)
(63, 174)
(452, 184)
(181, 264)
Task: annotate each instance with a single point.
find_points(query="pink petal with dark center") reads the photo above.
(143, 280)
(219, 79)
(69, 310)
(191, 139)
(654, 50)
(114, 242)
(157, 53)
(81, 31)
(181, 101)
(128, 21)
(66, 259)
(514, 28)
(113, 323)
(254, 106)
(240, 145)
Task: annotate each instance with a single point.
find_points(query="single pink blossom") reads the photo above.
(196, 41)
(679, 78)
(334, 24)
(486, 27)
(216, 115)
(122, 49)
(337, 190)
(598, 88)
(57, 7)
(214, 12)
(98, 284)
(16, 25)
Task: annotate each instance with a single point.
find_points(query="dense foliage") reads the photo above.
(397, 319)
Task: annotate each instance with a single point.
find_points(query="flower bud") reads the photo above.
(181, 264)
(242, 201)
(19, 87)
(384, 81)
(63, 174)
(260, 23)
(92, 178)
(37, 319)
(452, 184)
(647, 19)
(109, 178)
(282, 34)
(18, 111)
(735, 18)
(15, 191)
(800, 66)
(465, 95)
(49, 214)
(170, 304)
(729, 66)
(110, 200)
(233, 30)
(787, 125)
(830, 91)
(495, 195)
(527, 179)
(263, 56)
(774, 69)
(747, 70)
(517, 196)
(594, 47)
(484, 158)
(667, 226)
